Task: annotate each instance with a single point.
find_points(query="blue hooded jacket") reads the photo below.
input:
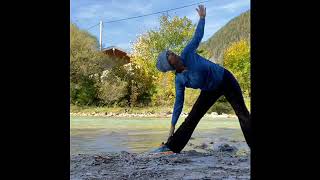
(200, 74)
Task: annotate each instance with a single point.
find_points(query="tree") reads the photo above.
(112, 89)
(174, 34)
(237, 60)
(85, 58)
(86, 66)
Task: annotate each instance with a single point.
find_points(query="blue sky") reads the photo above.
(86, 13)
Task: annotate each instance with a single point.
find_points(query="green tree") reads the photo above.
(86, 66)
(112, 89)
(237, 60)
(174, 34)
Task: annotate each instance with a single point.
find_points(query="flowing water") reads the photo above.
(89, 135)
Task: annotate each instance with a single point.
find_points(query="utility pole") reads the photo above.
(101, 35)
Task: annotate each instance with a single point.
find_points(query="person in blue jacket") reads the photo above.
(194, 71)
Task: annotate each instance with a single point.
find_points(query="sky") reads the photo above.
(87, 13)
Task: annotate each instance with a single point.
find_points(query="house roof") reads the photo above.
(111, 47)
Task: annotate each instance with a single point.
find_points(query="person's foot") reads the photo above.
(162, 149)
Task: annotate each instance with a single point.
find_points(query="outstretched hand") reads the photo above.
(201, 11)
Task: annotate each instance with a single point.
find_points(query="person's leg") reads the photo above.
(233, 93)
(181, 137)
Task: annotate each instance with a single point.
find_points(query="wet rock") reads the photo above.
(202, 146)
(191, 153)
(243, 159)
(180, 160)
(214, 114)
(206, 178)
(241, 152)
(223, 139)
(230, 163)
(233, 141)
(227, 148)
(231, 116)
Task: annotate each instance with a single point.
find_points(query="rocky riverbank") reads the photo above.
(155, 115)
(222, 161)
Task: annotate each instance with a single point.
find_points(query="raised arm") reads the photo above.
(197, 37)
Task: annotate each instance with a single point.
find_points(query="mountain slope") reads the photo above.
(236, 29)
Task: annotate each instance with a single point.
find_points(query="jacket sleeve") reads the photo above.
(178, 105)
(196, 39)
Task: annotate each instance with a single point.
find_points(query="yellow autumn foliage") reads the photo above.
(236, 59)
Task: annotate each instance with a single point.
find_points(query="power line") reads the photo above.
(156, 12)
(93, 26)
(149, 14)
